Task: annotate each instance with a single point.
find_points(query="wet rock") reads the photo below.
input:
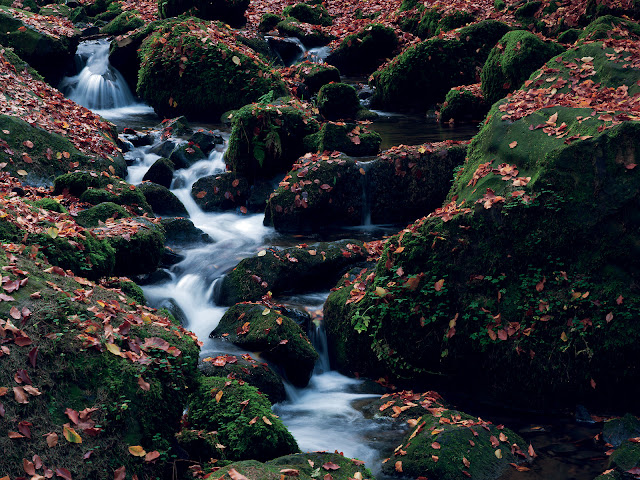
(161, 172)
(287, 49)
(162, 200)
(206, 140)
(618, 430)
(290, 27)
(170, 258)
(626, 456)
(256, 327)
(314, 76)
(225, 191)
(181, 232)
(185, 155)
(124, 22)
(463, 104)
(349, 138)
(338, 101)
(100, 213)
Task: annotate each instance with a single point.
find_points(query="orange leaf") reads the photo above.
(435, 446)
(235, 475)
(201, 194)
(70, 434)
(137, 451)
(513, 144)
(52, 439)
(151, 456)
(219, 396)
(266, 420)
(399, 466)
(438, 285)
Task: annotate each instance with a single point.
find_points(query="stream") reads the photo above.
(326, 414)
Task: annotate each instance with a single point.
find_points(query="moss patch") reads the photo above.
(348, 138)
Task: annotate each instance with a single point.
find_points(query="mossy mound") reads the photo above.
(626, 456)
(242, 419)
(43, 51)
(98, 379)
(348, 138)
(185, 154)
(182, 232)
(226, 191)
(362, 52)
(405, 183)
(125, 22)
(516, 55)
(530, 264)
(617, 430)
(267, 138)
(338, 101)
(609, 26)
(310, 35)
(280, 340)
(307, 13)
(464, 104)
(249, 370)
(161, 172)
(315, 75)
(269, 21)
(219, 74)
(316, 194)
(292, 269)
(162, 200)
(428, 22)
(94, 216)
(227, 11)
(138, 243)
(40, 155)
(423, 74)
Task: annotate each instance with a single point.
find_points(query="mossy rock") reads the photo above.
(306, 13)
(249, 370)
(269, 21)
(569, 36)
(348, 138)
(217, 76)
(182, 232)
(362, 52)
(76, 183)
(186, 154)
(605, 27)
(46, 53)
(617, 430)
(405, 183)
(162, 200)
(595, 9)
(11, 57)
(423, 74)
(516, 55)
(496, 280)
(318, 193)
(133, 291)
(609, 475)
(626, 456)
(280, 340)
(74, 371)
(316, 75)
(227, 11)
(267, 138)
(125, 22)
(309, 36)
(338, 101)
(206, 140)
(174, 127)
(50, 204)
(461, 443)
(428, 22)
(92, 217)
(230, 414)
(138, 244)
(123, 52)
(36, 151)
(226, 191)
(161, 172)
(309, 464)
(462, 105)
(290, 270)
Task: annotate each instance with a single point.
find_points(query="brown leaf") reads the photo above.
(143, 385)
(235, 475)
(151, 456)
(20, 395)
(52, 439)
(435, 446)
(466, 462)
(330, 466)
(266, 420)
(29, 467)
(438, 285)
(64, 473)
(120, 473)
(398, 466)
(290, 472)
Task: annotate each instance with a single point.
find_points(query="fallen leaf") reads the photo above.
(70, 434)
(143, 385)
(120, 473)
(330, 466)
(137, 451)
(151, 456)
(513, 144)
(64, 473)
(235, 475)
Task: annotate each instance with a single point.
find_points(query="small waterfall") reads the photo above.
(366, 194)
(291, 50)
(318, 338)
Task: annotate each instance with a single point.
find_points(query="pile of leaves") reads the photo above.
(52, 25)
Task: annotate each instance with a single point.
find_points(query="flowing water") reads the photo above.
(324, 415)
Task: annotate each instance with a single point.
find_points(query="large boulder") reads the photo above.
(267, 138)
(123, 52)
(349, 138)
(516, 55)
(293, 269)
(280, 340)
(226, 191)
(161, 172)
(123, 23)
(227, 11)
(314, 14)
(422, 75)
(418, 19)
(464, 104)
(162, 200)
(310, 77)
(217, 73)
(242, 421)
(531, 264)
(310, 35)
(362, 52)
(181, 232)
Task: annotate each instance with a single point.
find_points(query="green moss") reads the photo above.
(348, 138)
(309, 464)
(50, 204)
(230, 415)
(124, 22)
(162, 200)
(528, 10)
(462, 105)
(512, 60)
(604, 27)
(209, 82)
(626, 456)
(428, 22)
(316, 75)
(499, 5)
(313, 14)
(424, 73)
(10, 55)
(133, 291)
(364, 51)
(569, 36)
(269, 21)
(93, 216)
(338, 101)
(313, 37)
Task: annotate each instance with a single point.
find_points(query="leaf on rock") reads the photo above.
(64, 473)
(120, 473)
(235, 475)
(52, 439)
(70, 434)
(151, 456)
(20, 395)
(137, 451)
(330, 466)
(143, 385)
(513, 144)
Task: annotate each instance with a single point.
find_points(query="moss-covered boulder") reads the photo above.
(464, 104)
(626, 457)
(94, 216)
(318, 193)
(242, 419)
(267, 138)
(293, 269)
(428, 22)
(405, 183)
(609, 26)
(182, 232)
(310, 35)
(31, 35)
(338, 101)
(349, 138)
(226, 191)
(125, 22)
(247, 369)
(138, 243)
(227, 11)
(617, 430)
(280, 340)
(161, 172)
(423, 74)
(185, 155)
(219, 73)
(512, 60)
(162, 200)
(306, 13)
(269, 21)
(98, 380)
(313, 76)
(362, 52)
(41, 155)
(530, 264)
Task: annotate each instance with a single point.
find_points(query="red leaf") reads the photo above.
(28, 466)
(73, 415)
(23, 428)
(438, 285)
(33, 355)
(330, 466)
(513, 144)
(120, 473)
(151, 456)
(64, 473)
